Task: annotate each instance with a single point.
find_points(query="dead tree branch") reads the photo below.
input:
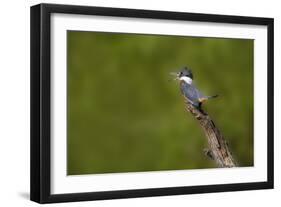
(218, 147)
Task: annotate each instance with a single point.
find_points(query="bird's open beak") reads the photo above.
(175, 75)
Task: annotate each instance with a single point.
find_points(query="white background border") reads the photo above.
(60, 183)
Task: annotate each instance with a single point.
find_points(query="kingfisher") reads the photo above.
(188, 89)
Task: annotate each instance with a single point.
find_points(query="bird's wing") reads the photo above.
(197, 92)
(191, 92)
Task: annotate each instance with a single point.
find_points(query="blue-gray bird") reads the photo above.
(188, 90)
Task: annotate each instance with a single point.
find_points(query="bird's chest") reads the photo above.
(187, 90)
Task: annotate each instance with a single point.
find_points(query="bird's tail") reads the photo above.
(214, 96)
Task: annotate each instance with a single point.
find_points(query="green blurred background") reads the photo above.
(125, 116)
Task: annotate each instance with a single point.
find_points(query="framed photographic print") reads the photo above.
(132, 103)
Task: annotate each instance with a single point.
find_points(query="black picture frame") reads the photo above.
(41, 98)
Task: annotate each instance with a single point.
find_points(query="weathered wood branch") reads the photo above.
(218, 147)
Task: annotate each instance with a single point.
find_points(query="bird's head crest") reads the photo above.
(185, 72)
